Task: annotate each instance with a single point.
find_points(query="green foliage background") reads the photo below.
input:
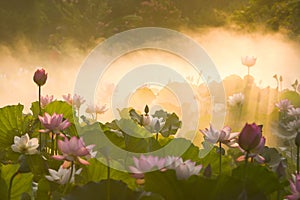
(48, 23)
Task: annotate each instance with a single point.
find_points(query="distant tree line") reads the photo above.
(48, 23)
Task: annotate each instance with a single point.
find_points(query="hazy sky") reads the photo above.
(275, 55)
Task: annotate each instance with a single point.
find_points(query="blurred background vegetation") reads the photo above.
(49, 23)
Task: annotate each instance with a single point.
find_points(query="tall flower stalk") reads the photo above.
(251, 142)
(297, 142)
(220, 158)
(40, 78)
(108, 179)
(248, 61)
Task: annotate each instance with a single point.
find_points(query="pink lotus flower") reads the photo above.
(145, 164)
(184, 169)
(75, 101)
(224, 136)
(284, 105)
(73, 149)
(40, 77)
(45, 100)
(295, 188)
(54, 123)
(248, 61)
(96, 109)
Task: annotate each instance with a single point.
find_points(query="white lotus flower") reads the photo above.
(236, 99)
(76, 100)
(25, 145)
(284, 105)
(90, 109)
(100, 109)
(183, 169)
(224, 136)
(294, 112)
(62, 175)
(157, 123)
(92, 153)
(294, 126)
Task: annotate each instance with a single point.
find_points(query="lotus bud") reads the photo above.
(250, 137)
(280, 170)
(207, 171)
(40, 77)
(146, 109)
(157, 126)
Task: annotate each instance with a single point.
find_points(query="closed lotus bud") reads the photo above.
(207, 171)
(297, 139)
(40, 77)
(157, 126)
(146, 109)
(250, 137)
(280, 170)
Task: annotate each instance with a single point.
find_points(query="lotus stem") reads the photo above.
(78, 113)
(56, 144)
(52, 143)
(156, 137)
(71, 173)
(291, 149)
(108, 180)
(298, 148)
(220, 161)
(246, 158)
(10, 184)
(70, 177)
(40, 111)
(245, 172)
(246, 164)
